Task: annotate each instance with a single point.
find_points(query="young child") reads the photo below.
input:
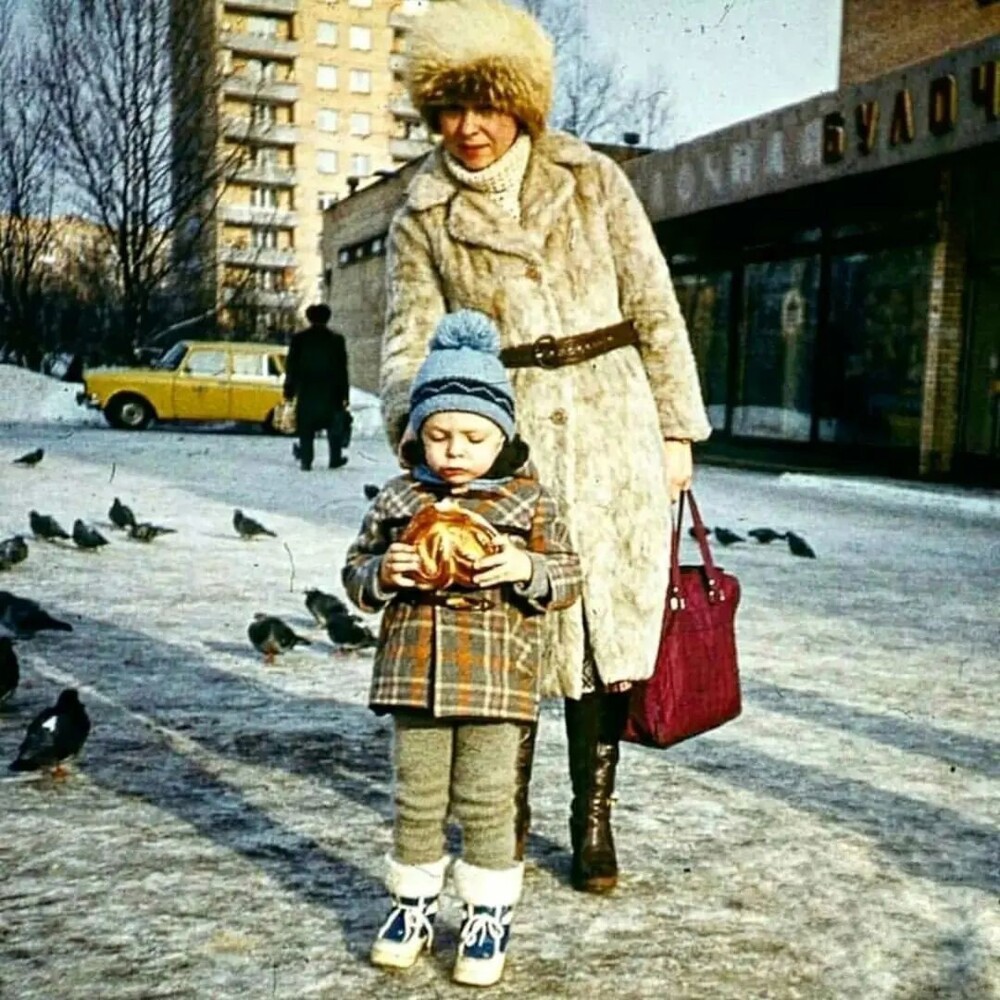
(459, 668)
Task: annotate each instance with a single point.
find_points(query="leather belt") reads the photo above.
(457, 600)
(554, 352)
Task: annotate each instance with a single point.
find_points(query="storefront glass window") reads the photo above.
(778, 333)
(705, 301)
(878, 324)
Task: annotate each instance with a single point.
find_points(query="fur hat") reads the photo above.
(463, 372)
(484, 53)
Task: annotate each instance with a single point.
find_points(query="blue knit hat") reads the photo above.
(463, 372)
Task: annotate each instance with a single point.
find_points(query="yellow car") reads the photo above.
(194, 380)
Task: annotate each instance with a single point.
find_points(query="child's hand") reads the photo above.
(400, 560)
(510, 565)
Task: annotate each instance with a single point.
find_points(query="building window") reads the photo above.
(361, 164)
(873, 386)
(264, 238)
(262, 197)
(778, 343)
(360, 3)
(262, 114)
(705, 302)
(361, 81)
(361, 124)
(326, 161)
(361, 38)
(262, 27)
(326, 77)
(327, 120)
(265, 157)
(326, 33)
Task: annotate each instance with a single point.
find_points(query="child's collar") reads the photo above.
(424, 474)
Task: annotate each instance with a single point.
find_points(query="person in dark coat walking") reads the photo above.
(316, 378)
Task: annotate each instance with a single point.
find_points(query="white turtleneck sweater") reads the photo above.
(501, 180)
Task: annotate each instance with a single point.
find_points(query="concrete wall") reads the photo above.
(883, 35)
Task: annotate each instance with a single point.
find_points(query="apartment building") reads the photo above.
(312, 106)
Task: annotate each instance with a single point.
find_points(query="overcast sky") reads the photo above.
(723, 60)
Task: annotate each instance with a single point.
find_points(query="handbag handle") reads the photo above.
(675, 596)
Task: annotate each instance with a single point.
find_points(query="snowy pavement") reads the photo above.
(222, 836)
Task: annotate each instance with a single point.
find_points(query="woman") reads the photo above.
(536, 229)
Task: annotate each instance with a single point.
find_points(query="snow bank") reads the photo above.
(31, 398)
(27, 397)
(980, 502)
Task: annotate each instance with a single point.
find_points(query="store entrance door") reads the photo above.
(981, 410)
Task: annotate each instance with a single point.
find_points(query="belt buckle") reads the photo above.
(545, 351)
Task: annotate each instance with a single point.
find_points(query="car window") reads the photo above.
(206, 363)
(172, 359)
(246, 365)
(276, 365)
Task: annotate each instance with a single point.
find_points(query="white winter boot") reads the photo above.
(409, 927)
(489, 896)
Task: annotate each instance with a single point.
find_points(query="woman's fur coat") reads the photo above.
(583, 256)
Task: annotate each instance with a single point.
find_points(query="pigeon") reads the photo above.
(87, 537)
(14, 550)
(54, 735)
(44, 526)
(144, 531)
(726, 537)
(347, 631)
(5, 563)
(31, 458)
(121, 516)
(272, 636)
(798, 546)
(10, 671)
(247, 527)
(322, 606)
(23, 617)
(371, 491)
(694, 534)
(765, 535)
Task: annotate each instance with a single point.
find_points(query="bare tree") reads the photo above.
(27, 186)
(132, 89)
(591, 99)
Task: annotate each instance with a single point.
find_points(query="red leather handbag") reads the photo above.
(696, 684)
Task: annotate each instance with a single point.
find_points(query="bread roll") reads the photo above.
(449, 539)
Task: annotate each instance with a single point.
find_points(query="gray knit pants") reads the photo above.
(467, 768)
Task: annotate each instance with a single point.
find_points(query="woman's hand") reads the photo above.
(510, 565)
(680, 468)
(400, 560)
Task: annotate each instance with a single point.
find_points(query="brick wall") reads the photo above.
(942, 365)
(882, 35)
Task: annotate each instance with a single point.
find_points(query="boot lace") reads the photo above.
(482, 927)
(414, 917)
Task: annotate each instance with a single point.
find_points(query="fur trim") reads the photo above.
(487, 886)
(483, 53)
(415, 881)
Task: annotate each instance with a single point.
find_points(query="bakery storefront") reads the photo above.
(838, 263)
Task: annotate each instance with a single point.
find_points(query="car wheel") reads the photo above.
(268, 423)
(131, 413)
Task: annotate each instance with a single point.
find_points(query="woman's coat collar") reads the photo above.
(475, 218)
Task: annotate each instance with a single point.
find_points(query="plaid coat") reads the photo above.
(482, 663)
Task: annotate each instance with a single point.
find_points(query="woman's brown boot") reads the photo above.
(522, 807)
(593, 760)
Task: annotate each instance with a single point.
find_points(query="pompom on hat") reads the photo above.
(480, 53)
(463, 372)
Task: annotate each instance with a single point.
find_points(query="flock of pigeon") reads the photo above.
(58, 733)
(797, 545)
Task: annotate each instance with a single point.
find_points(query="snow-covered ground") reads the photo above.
(222, 836)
